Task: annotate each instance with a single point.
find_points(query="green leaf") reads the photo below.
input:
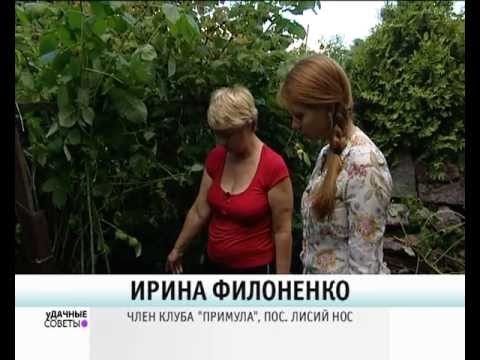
(193, 24)
(217, 63)
(48, 43)
(148, 135)
(72, 70)
(26, 79)
(119, 24)
(67, 118)
(171, 66)
(138, 163)
(53, 129)
(55, 145)
(296, 29)
(159, 185)
(299, 7)
(132, 108)
(83, 97)
(21, 15)
(74, 19)
(132, 241)
(120, 235)
(306, 159)
(42, 158)
(148, 53)
(99, 27)
(65, 79)
(74, 137)
(115, 5)
(196, 167)
(141, 71)
(137, 245)
(48, 57)
(98, 9)
(138, 250)
(88, 115)
(67, 65)
(187, 27)
(97, 64)
(106, 37)
(102, 190)
(161, 89)
(171, 13)
(64, 36)
(35, 10)
(63, 100)
(59, 198)
(242, 56)
(50, 185)
(67, 153)
(129, 19)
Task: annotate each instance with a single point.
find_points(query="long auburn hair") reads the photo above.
(318, 81)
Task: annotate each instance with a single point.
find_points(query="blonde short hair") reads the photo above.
(231, 107)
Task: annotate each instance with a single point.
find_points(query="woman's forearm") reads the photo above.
(191, 227)
(283, 251)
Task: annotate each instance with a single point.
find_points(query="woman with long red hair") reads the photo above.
(344, 206)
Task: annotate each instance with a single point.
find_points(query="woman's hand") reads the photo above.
(174, 262)
(197, 216)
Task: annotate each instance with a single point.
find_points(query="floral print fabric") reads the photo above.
(350, 240)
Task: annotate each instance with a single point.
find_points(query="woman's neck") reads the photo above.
(350, 129)
(252, 145)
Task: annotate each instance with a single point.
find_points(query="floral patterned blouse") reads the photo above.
(350, 240)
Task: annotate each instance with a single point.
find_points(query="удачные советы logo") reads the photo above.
(66, 319)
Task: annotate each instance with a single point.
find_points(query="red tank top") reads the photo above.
(240, 230)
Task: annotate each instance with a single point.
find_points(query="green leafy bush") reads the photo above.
(408, 81)
(123, 149)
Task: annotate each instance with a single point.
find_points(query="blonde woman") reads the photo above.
(344, 206)
(245, 195)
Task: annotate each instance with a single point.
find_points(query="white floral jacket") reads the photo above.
(350, 240)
